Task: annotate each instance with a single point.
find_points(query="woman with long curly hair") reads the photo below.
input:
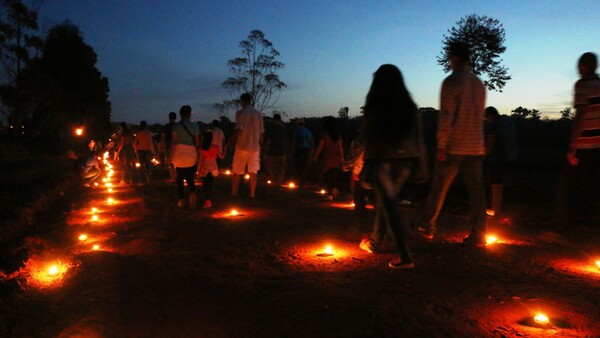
(394, 150)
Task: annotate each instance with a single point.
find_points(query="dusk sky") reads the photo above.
(159, 55)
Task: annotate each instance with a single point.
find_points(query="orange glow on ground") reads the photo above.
(82, 237)
(227, 172)
(41, 274)
(79, 131)
(541, 318)
(323, 192)
(268, 181)
(348, 205)
(110, 201)
(290, 185)
(109, 190)
(96, 184)
(247, 177)
(345, 256)
(137, 164)
(94, 210)
(491, 239)
(95, 218)
(598, 264)
(96, 247)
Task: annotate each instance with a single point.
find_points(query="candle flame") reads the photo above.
(227, 172)
(110, 200)
(110, 190)
(96, 247)
(491, 239)
(82, 237)
(79, 131)
(95, 218)
(53, 270)
(292, 185)
(137, 164)
(94, 210)
(598, 263)
(234, 212)
(96, 184)
(268, 181)
(323, 191)
(328, 249)
(247, 176)
(541, 318)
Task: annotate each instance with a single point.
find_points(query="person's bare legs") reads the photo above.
(253, 179)
(235, 184)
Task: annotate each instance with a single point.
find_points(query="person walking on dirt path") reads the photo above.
(166, 144)
(579, 198)
(144, 150)
(501, 154)
(275, 149)
(330, 157)
(184, 155)
(248, 135)
(208, 168)
(301, 150)
(460, 145)
(394, 149)
(126, 153)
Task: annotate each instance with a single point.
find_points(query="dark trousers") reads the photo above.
(207, 186)
(389, 178)
(301, 160)
(186, 174)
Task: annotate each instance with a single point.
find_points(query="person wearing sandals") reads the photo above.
(394, 152)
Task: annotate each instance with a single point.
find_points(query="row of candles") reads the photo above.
(59, 269)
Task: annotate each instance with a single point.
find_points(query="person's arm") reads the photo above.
(318, 151)
(447, 114)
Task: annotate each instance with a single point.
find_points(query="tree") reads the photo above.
(485, 38)
(224, 108)
(343, 112)
(17, 45)
(567, 113)
(66, 88)
(526, 113)
(255, 72)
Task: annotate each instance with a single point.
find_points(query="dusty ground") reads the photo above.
(160, 271)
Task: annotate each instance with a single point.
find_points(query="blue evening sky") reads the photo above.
(159, 55)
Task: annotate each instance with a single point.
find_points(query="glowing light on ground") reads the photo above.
(96, 247)
(78, 131)
(323, 192)
(227, 172)
(291, 185)
(155, 161)
(490, 212)
(41, 274)
(247, 176)
(94, 210)
(95, 218)
(327, 252)
(234, 213)
(598, 264)
(82, 237)
(138, 164)
(268, 181)
(96, 184)
(491, 239)
(104, 180)
(110, 201)
(541, 318)
(109, 190)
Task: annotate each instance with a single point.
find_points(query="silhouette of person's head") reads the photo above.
(185, 112)
(458, 54)
(207, 139)
(277, 117)
(143, 124)
(215, 123)
(172, 116)
(125, 128)
(491, 114)
(245, 99)
(588, 62)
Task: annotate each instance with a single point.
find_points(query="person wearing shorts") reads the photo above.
(248, 134)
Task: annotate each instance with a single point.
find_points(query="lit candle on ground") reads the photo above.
(137, 164)
(53, 270)
(110, 200)
(541, 318)
(234, 212)
(323, 191)
(94, 210)
(96, 247)
(108, 184)
(227, 172)
(110, 190)
(96, 184)
(247, 176)
(95, 218)
(598, 264)
(268, 181)
(491, 239)
(292, 185)
(327, 252)
(82, 237)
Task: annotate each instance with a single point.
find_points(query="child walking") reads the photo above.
(208, 168)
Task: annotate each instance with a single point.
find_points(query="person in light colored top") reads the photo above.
(217, 135)
(248, 134)
(144, 149)
(185, 139)
(460, 145)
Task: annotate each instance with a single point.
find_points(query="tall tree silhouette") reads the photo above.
(66, 87)
(485, 38)
(255, 72)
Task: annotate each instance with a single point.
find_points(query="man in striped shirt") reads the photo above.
(460, 145)
(579, 195)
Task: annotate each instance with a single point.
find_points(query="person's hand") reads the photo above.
(442, 154)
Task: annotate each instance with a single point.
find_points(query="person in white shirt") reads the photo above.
(248, 134)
